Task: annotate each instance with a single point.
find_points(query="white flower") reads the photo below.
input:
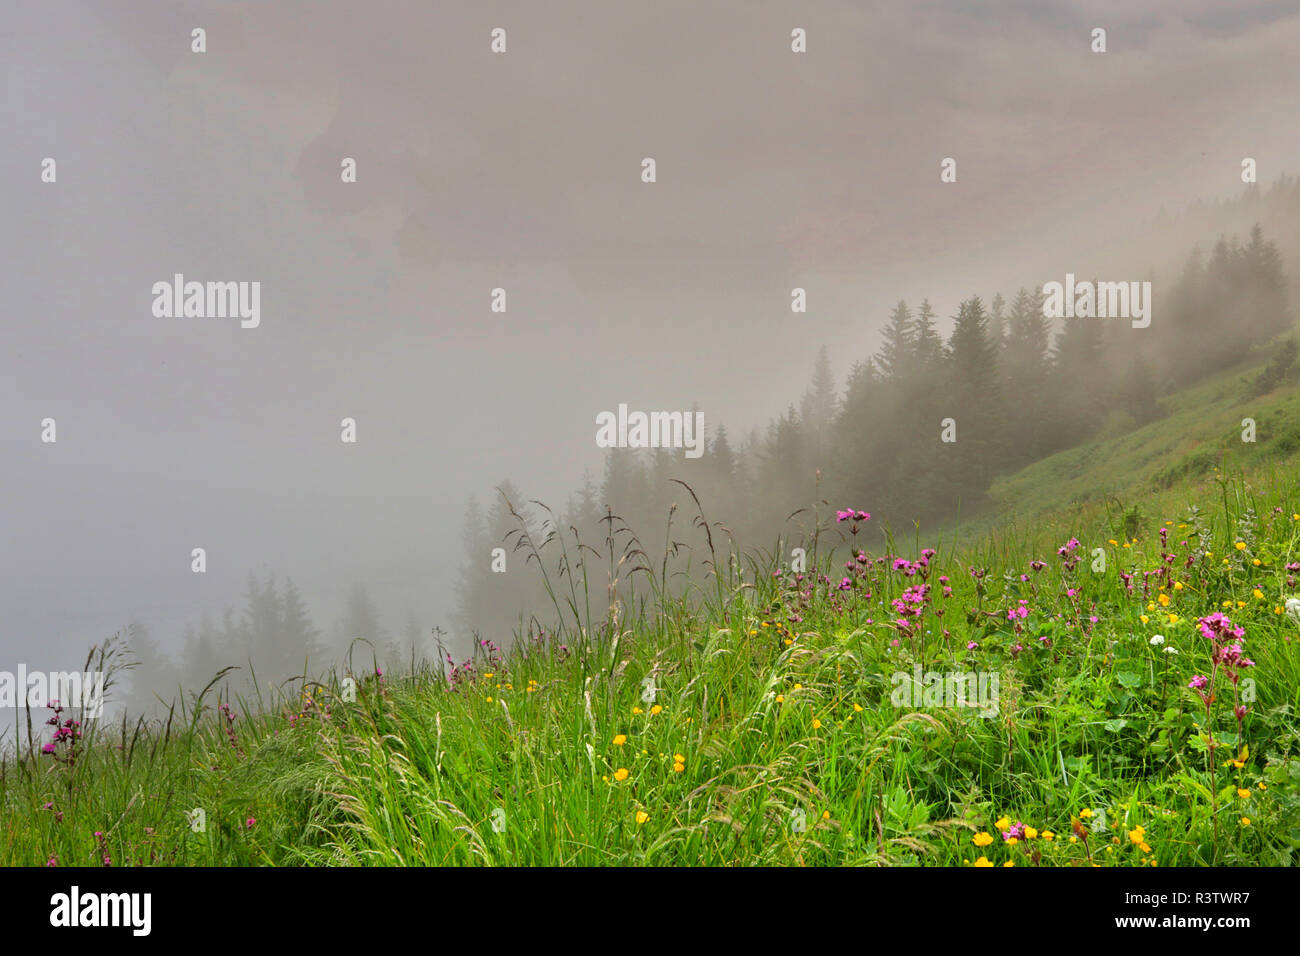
(1158, 639)
(1171, 650)
(1293, 609)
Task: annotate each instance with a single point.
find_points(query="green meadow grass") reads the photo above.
(748, 724)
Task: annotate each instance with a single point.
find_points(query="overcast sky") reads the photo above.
(522, 171)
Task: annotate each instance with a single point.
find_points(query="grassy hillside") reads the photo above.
(772, 719)
(1145, 472)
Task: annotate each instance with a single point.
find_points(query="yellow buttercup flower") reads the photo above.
(620, 740)
(1002, 823)
(642, 816)
(620, 774)
(981, 839)
(983, 861)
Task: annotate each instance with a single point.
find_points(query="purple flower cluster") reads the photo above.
(63, 746)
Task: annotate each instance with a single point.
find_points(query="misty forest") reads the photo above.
(1021, 386)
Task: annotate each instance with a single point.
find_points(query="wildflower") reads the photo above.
(1243, 793)
(1137, 835)
(1030, 833)
(1293, 609)
(1085, 814)
(981, 839)
(1143, 618)
(1002, 823)
(656, 709)
(642, 816)
(1240, 545)
(1257, 593)
(1157, 639)
(1049, 836)
(780, 698)
(1245, 821)
(620, 774)
(637, 710)
(620, 740)
(983, 861)
(817, 724)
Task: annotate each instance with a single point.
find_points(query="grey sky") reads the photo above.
(775, 170)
